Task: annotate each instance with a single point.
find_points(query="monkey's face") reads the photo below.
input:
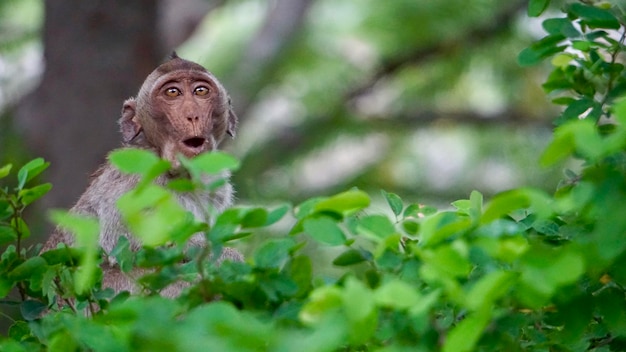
(189, 114)
(180, 109)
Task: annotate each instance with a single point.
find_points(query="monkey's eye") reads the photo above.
(172, 92)
(202, 90)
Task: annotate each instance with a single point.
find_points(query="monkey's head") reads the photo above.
(180, 108)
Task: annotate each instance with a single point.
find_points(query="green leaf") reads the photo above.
(345, 203)
(397, 294)
(214, 162)
(394, 201)
(86, 230)
(273, 253)
(441, 226)
(154, 215)
(594, 17)
(31, 267)
(123, 254)
(7, 235)
(134, 161)
(64, 255)
(255, 217)
(410, 226)
(181, 185)
(5, 209)
(6, 285)
(562, 60)
(488, 289)
(375, 227)
(30, 170)
(540, 50)
(561, 26)
(275, 215)
(21, 227)
(517, 199)
(537, 7)
(321, 302)
(5, 170)
(324, 230)
(351, 256)
(19, 331)
(582, 45)
(448, 261)
(32, 309)
(561, 147)
(307, 207)
(543, 270)
(29, 195)
(577, 108)
(464, 336)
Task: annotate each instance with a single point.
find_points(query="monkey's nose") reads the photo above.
(194, 142)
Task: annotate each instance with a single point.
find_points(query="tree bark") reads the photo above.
(96, 55)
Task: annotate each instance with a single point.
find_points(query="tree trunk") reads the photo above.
(96, 54)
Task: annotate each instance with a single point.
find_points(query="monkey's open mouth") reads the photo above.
(195, 145)
(195, 142)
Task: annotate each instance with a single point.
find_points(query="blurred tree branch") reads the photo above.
(474, 36)
(281, 23)
(292, 142)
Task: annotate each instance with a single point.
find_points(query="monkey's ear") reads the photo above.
(129, 125)
(232, 120)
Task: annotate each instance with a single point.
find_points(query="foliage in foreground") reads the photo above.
(525, 271)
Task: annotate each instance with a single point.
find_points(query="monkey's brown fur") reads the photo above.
(180, 108)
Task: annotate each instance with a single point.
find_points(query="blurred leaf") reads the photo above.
(30, 170)
(5, 209)
(537, 7)
(154, 215)
(488, 289)
(5, 170)
(7, 235)
(21, 227)
(541, 50)
(351, 256)
(32, 309)
(518, 199)
(448, 261)
(64, 255)
(214, 162)
(411, 227)
(254, 217)
(345, 203)
(307, 207)
(593, 16)
(134, 161)
(277, 214)
(29, 195)
(394, 201)
(31, 267)
(397, 294)
(181, 185)
(561, 26)
(324, 230)
(322, 301)
(6, 285)
(86, 230)
(464, 336)
(441, 226)
(375, 227)
(273, 253)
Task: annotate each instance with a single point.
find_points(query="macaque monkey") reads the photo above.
(180, 108)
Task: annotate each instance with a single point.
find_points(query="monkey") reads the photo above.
(181, 108)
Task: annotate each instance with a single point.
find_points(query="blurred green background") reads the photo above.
(418, 97)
